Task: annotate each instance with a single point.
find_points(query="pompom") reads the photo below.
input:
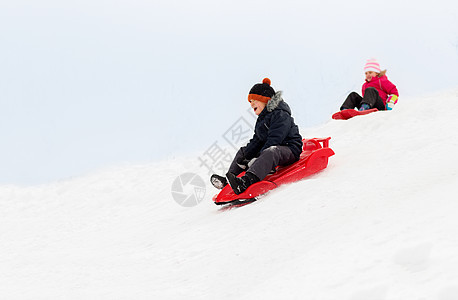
(266, 80)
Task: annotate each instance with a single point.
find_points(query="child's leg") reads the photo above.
(237, 166)
(271, 158)
(372, 98)
(353, 100)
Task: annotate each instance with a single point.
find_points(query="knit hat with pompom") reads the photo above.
(261, 91)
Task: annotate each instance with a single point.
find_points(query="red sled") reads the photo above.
(314, 157)
(350, 113)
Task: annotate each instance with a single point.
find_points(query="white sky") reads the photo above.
(86, 84)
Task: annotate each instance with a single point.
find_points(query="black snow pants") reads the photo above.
(267, 161)
(371, 98)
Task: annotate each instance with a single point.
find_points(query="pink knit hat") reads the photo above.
(372, 65)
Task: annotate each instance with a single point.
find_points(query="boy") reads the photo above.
(276, 141)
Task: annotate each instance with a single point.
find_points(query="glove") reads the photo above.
(391, 101)
(241, 161)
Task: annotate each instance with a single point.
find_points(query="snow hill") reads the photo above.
(381, 222)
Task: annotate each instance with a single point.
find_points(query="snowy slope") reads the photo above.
(379, 223)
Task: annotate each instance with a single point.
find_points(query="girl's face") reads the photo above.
(257, 106)
(370, 75)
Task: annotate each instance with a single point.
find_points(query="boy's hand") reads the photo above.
(242, 162)
(391, 101)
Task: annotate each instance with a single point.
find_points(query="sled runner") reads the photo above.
(350, 113)
(314, 157)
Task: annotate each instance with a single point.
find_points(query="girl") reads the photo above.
(378, 92)
(276, 141)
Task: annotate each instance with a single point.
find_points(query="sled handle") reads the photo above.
(324, 141)
(317, 141)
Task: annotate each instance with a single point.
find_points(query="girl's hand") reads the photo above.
(391, 101)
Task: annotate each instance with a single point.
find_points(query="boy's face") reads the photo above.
(370, 75)
(257, 106)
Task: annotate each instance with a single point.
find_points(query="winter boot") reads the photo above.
(218, 182)
(239, 185)
(364, 106)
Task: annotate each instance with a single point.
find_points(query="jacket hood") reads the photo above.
(276, 102)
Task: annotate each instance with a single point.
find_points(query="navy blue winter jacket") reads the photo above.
(274, 127)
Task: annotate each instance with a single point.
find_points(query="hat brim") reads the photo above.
(372, 69)
(258, 97)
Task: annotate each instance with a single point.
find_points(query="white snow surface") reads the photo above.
(381, 222)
